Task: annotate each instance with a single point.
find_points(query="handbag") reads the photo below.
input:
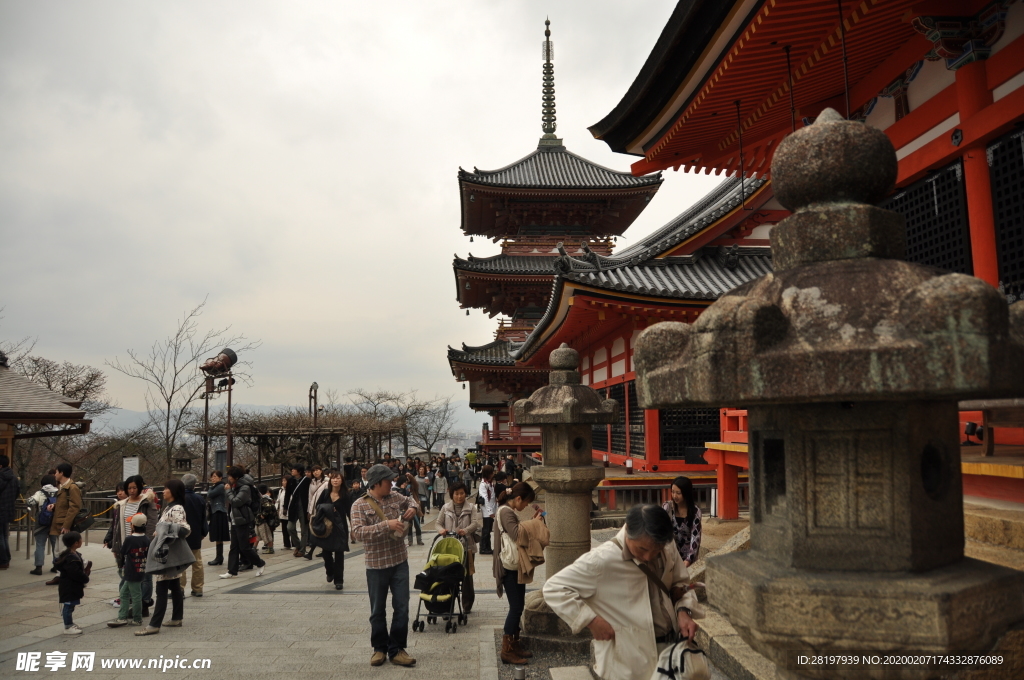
(509, 550)
(83, 520)
(682, 661)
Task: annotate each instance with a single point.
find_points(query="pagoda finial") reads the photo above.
(548, 107)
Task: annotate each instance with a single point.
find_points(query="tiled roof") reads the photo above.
(492, 354)
(723, 199)
(704, 276)
(557, 168)
(509, 264)
(22, 398)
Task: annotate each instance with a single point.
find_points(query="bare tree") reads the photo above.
(432, 423)
(378, 405)
(170, 370)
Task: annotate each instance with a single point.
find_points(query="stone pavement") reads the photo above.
(290, 619)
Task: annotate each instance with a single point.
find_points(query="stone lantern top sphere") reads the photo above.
(834, 160)
(564, 358)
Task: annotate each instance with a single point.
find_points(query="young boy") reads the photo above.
(134, 551)
(74, 574)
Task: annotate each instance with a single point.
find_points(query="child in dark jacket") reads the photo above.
(134, 552)
(74, 574)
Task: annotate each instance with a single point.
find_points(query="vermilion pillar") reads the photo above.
(973, 95)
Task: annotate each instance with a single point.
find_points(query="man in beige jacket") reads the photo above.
(629, 614)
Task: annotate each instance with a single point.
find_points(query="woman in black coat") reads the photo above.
(333, 503)
(220, 532)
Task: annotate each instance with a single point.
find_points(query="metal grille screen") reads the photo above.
(684, 432)
(935, 209)
(618, 393)
(1006, 166)
(636, 425)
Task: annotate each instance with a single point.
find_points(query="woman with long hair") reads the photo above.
(220, 533)
(490, 505)
(423, 484)
(170, 583)
(333, 503)
(317, 483)
(685, 519)
(462, 520)
(506, 574)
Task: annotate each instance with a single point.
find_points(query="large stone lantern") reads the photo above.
(850, 362)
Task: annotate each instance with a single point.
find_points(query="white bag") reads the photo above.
(682, 661)
(509, 554)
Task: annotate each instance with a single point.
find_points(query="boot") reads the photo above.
(219, 559)
(38, 571)
(508, 651)
(520, 649)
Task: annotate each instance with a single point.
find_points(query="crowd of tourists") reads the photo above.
(156, 540)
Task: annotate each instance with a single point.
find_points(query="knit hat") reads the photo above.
(378, 473)
(138, 520)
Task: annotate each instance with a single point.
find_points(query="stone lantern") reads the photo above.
(566, 411)
(182, 462)
(850, 362)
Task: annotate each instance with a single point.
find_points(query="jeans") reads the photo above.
(485, 538)
(425, 502)
(147, 588)
(240, 545)
(378, 582)
(177, 602)
(414, 527)
(334, 564)
(41, 540)
(5, 542)
(293, 530)
(131, 598)
(198, 575)
(66, 609)
(516, 594)
(438, 500)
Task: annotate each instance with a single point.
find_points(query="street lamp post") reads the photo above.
(220, 367)
(312, 402)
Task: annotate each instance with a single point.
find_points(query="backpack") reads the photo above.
(268, 513)
(254, 501)
(681, 661)
(45, 518)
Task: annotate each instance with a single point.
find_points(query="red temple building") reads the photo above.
(728, 79)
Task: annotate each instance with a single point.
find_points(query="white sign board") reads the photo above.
(129, 466)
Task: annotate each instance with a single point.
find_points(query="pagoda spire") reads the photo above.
(548, 124)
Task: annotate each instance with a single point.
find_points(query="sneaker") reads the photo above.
(403, 659)
(173, 624)
(148, 630)
(117, 624)
(135, 623)
(227, 575)
(72, 630)
(378, 659)
(116, 602)
(270, 552)
(259, 572)
(195, 594)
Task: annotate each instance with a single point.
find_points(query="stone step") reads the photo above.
(727, 651)
(995, 554)
(1002, 528)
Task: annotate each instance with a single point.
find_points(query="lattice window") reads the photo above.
(618, 393)
(636, 425)
(1006, 167)
(600, 433)
(684, 432)
(935, 209)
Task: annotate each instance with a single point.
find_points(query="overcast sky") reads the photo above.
(294, 161)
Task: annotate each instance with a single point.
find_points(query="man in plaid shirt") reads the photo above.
(387, 565)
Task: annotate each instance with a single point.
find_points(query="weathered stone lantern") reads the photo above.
(851, 362)
(566, 410)
(182, 462)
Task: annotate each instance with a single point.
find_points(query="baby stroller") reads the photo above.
(440, 585)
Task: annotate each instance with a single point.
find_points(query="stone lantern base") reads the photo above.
(786, 612)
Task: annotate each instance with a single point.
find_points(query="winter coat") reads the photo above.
(239, 498)
(281, 505)
(195, 515)
(133, 557)
(603, 583)
(37, 500)
(69, 502)
(315, 488)
(441, 484)
(336, 511)
(216, 498)
(73, 578)
(298, 499)
(116, 532)
(9, 488)
(169, 554)
(469, 519)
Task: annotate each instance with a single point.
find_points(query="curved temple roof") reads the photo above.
(492, 354)
(555, 167)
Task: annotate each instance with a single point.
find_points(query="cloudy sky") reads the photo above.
(296, 162)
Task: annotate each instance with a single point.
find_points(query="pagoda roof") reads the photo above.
(555, 167)
(492, 354)
(523, 265)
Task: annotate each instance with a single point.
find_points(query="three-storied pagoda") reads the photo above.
(533, 206)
